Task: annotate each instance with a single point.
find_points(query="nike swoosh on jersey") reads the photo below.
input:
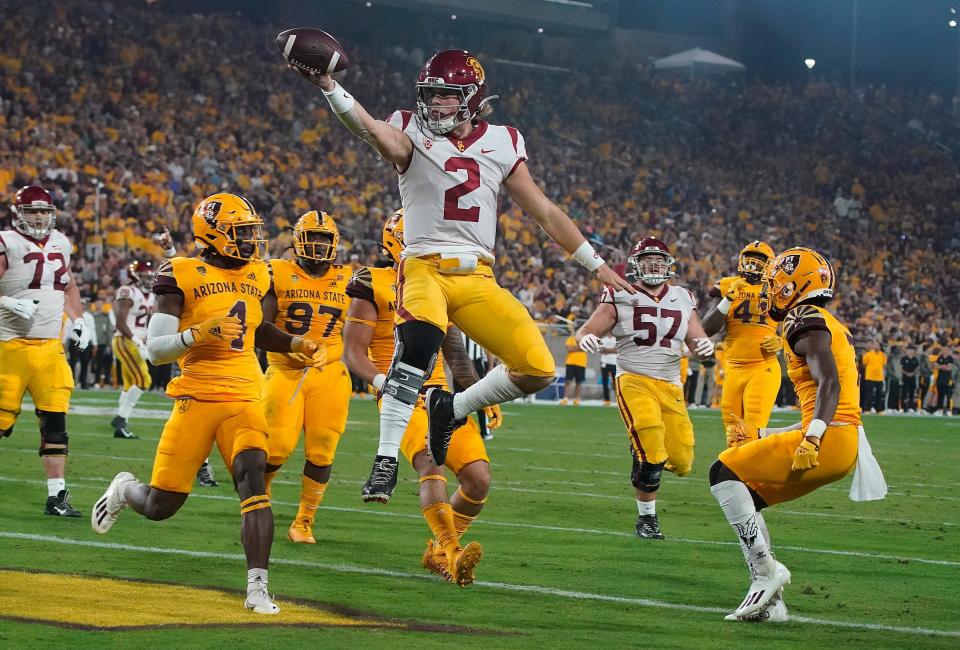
(487, 150)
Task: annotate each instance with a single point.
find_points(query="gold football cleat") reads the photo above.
(301, 531)
(465, 560)
(435, 561)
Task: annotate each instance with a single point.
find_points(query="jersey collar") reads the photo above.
(474, 135)
(657, 296)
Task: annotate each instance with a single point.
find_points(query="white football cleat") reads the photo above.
(260, 602)
(107, 508)
(775, 611)
(762, 589)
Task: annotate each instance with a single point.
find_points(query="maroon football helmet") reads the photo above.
(34, 211)
(650, 262)
(452, 71)
(143, 272)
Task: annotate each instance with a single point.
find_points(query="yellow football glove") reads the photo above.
(740, 433)
(805, 456)
(771, 344)
(218, 328)
(311, 353)
(733, 291)
(494, 416)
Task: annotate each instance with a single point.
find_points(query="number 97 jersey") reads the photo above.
(38, 271)
(650, 330)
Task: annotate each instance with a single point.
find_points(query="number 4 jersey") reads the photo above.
(38, 271)
(650, 330)
(217, 371)
(449, 190)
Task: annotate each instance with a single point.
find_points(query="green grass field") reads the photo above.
(561, 568)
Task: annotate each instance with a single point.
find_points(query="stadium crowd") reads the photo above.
(158, 110)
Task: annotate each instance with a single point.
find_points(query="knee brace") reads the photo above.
(646, 476)
(415, 354)
(53, 433)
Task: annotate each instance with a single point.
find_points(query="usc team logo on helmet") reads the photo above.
(229, 225)
(393, 235)
(316, 237)
(795, 276)
(753, 260)
(457, 73)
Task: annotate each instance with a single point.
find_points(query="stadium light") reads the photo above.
(539, 30)
(952, 23)
(369, 4)
(809, 63)
(453, 16)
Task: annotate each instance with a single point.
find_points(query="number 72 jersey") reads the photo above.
(37, 271)
(650, 330)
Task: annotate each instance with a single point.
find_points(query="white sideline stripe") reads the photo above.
(509, 524)
(502, 586)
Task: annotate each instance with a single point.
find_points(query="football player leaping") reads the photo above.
(308, 297)
(764, 467)
(36, 289)
(451, 165)
(752, 372)
(134, 303)
(209, 315)
(651, 327)
(369, 331)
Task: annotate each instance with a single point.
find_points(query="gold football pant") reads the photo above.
(133, 367)
(466, 445)
(655, 415)
(750, 392)
(319, 409)
(764, 464)
(474, 302)
(189, 435)
(38, 366)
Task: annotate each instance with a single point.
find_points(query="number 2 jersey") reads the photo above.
(140, 310)
(310, 307)
(39, 271)
(217, 371)
(650, 330)
(449, 190)
(746, 326)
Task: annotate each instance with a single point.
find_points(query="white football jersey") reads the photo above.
(650, 330)
(449, 190)
(37, 271)
(139, 312)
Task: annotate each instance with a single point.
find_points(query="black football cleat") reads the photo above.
(441, 423)
(205, 476)
(648, 527)
(120, 429)
(382, 480)
(59, 506)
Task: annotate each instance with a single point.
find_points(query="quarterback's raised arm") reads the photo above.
(392, 144)
(559, 226)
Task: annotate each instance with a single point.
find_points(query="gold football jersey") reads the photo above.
(805, 318)
(746, 326)
(378, 285)
(219, 371)
(310, 307)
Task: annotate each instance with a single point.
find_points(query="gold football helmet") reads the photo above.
(796, 275)
(229, 224)
(393, 235)
(753, 261)
(316, 237)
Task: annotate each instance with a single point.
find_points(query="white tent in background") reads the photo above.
(699, 61)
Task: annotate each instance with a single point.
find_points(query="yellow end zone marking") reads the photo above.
(113, 603)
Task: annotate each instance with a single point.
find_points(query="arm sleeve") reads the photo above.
(165, 344)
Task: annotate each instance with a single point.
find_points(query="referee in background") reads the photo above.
(482, 362)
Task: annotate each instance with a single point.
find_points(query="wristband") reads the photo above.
(587, 257)
(378, 381)
(339, 99)
(724, 306)
(815, 429)
(170, 252)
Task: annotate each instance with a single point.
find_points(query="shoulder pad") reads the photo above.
(802, 319)
(361, 285)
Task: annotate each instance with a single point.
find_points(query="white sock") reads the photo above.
(121, 402)
(133, 396)
(647, 507)
(256, 578)
(54, 485)
(495, 388)
(394, 417)
(737, 505)
(762, 525)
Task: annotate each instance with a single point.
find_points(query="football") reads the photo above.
(312, 49)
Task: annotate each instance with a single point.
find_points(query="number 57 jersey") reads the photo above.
(37, 271)
(650, 330)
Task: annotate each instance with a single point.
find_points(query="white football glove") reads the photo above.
(80, 334)
(25, 309)
(591, 343)
(704, 347)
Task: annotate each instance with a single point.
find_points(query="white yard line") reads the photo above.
(499, 586)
